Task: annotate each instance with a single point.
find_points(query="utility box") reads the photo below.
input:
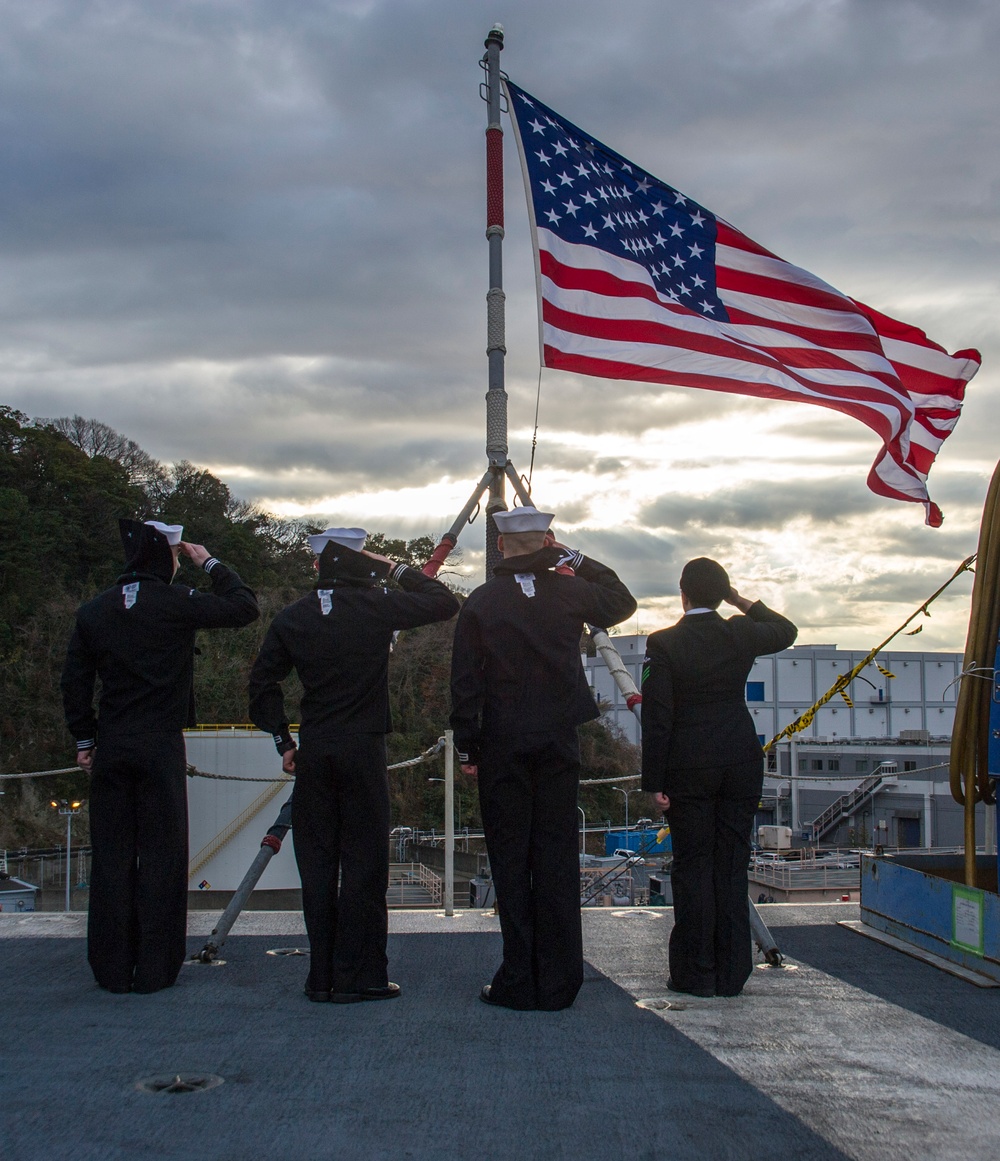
(661, 892)
(481, 892)
(16, 895)
(775, 838)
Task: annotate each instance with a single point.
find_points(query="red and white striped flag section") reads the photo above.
(637, 281)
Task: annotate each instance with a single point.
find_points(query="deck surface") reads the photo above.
(859, 1052)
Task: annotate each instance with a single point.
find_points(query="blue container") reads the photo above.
(922, 900)
(643, 842)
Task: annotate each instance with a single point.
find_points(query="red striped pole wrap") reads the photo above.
(439, 556)
(494, 176)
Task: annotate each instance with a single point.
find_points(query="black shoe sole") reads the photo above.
(388, 993)
(486, 998)
(672, 987)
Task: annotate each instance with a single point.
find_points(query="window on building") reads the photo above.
(815, 763)
(860, 765)
(772, 760)
(909, 764)
(755, 691)
(802, 763)
(833, 764)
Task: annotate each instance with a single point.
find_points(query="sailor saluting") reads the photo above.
(138, 638)
(338, 638)
(518, 694)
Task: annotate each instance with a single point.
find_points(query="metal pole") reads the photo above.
(793, 783)
(69, 823)
(496, 350)
(583, 835)
(449, 823)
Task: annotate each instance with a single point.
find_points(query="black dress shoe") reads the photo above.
(486, 995)
(389, 992)
(317, 997)
(704, 993)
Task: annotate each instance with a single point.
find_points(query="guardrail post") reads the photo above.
(449, 823)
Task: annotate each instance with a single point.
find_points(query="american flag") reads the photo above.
(637, 281)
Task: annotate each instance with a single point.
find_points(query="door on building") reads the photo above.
(907, 832)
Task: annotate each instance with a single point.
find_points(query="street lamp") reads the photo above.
(69, 807)
(626, 793)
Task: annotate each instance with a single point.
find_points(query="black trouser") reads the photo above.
(340, 826)
(137, 925)
(711, 818)
(527, 793)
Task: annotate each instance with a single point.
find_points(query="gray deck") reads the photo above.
(860, 1052)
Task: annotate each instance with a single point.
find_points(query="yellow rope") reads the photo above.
(803, 721)
(969, 775)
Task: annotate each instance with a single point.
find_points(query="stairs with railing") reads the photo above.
(847, 804)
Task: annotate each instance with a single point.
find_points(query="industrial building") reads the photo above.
(835, 784)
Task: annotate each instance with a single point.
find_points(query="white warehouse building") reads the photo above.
(830, 786)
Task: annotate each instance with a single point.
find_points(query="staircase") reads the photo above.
(853, 800)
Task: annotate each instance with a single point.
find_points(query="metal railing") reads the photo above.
(411, 883)
(805, 876)
(848, 803)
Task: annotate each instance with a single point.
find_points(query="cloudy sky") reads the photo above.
(249, 233)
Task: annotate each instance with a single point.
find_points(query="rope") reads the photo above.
(603, 781)
(970, 735)
(844, 680)
(42, 773)
(194, 772)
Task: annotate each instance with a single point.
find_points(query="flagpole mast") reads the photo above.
(496, 350)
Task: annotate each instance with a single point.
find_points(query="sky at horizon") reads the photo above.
(251, 235)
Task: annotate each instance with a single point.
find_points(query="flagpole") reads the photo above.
(496, 350)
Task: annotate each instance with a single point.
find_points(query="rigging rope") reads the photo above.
(804, 720)
(194, 772)
(970, 781)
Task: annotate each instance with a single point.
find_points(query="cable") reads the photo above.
(534, 437)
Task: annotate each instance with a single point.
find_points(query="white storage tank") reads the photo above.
(227, 819)
(775, 838)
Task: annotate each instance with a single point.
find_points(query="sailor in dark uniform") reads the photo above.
(338, 639)
(702, 760)
(518, 694)
(138, 638)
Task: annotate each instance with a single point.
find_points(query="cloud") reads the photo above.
(251, 235)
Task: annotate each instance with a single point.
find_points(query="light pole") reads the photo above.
(69, 808)
(626, 793)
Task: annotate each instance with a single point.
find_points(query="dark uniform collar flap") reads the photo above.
(341, 565)
(146, 551)
(538, 561)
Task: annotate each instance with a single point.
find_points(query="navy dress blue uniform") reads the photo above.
(518, 694)
(338, 640)
(138, 638)
(700, 748)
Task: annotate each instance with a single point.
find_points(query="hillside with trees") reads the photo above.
(64, 484)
